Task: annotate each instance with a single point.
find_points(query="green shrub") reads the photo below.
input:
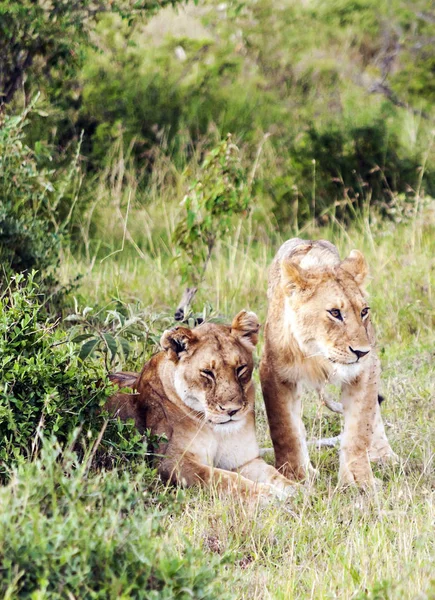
(45, 388)
(345, 167)
(219, 191)
(27, 239)
(123, 332)
(36, 205)
(158, 100)
(47, 41)
(65, 533)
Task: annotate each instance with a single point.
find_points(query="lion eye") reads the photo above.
(242, 371)
(365, 312)
(336, 314)
(208, 374)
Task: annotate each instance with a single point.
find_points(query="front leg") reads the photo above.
(380, 449)
(259, 471)
(283, 407)
(187, 471)
(360, 402)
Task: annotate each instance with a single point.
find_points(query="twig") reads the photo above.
(95, 447)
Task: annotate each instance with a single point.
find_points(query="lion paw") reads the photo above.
(356, 475)
(268, 493)
(384, 457)
(297, 473)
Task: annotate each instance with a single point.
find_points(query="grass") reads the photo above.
(66, 535)
(326, 543)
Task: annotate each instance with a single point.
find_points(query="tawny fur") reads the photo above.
(305, 344)
(198, 393)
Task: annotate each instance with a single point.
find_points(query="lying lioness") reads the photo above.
(318, 330)
(199, 394)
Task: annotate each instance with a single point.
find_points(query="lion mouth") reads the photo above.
(220, 422)
(217, 423)
(339, 362)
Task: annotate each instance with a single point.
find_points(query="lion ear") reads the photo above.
(124, 379)
(178, 340)
(355, 264)
(292, 276)
(245, 327)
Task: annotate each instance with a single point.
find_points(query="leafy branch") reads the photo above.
(221, 191)
(116, 334)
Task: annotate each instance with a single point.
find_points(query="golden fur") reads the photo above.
(199, 394)
(319, 330)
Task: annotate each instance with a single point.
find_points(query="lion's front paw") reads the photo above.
(284, 490)
(356, 472)
(383, 456)
(277, 492)
(296, 473)
(263, 493)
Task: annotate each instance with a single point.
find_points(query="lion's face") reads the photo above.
(327, 311)
(213, 368)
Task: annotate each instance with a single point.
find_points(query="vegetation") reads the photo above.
(119, 186)
(48, 40)
(64, 533)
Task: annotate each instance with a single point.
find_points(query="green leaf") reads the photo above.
(125, 346)
(81, 338)
(111, 343)
(87, 348)
(190, 219)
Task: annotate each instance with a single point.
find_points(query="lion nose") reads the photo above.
(233, 412)
(359, 353)
(230, 410)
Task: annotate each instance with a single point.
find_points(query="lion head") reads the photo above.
(327, 311)
(213, 368)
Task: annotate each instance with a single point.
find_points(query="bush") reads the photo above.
(65, 534)
(158, 98)
(345, 167)
(124, 332)
(219, 191)
(35, 206)
(46, 389)
(46, 41)
(27, 239)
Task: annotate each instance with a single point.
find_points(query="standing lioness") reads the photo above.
(318, 330)
(198, 393)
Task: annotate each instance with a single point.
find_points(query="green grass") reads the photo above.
(67, 534)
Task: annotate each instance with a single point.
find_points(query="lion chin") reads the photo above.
(345, 372)
(197, 396)
(228, 427)
(319, 331)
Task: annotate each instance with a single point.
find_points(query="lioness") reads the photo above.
(318, 330)
(199, 394)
